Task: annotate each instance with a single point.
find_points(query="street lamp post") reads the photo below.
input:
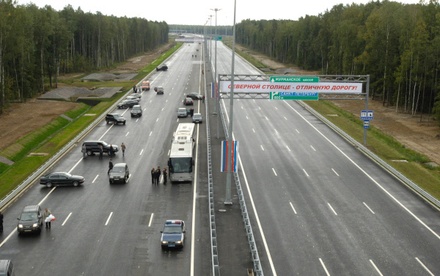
(215, 69)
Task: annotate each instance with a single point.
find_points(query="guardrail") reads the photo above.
(399, 176)
(258, 270)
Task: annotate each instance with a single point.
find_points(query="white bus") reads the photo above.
(181, 161)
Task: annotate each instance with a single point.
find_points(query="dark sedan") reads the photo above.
(163, 67)
(127, 104)
(61, 179)
(195, 96)
(119, 173)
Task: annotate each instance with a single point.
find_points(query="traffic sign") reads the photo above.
(218, 37)
(366, 124)
(303, 96)
(367, 115)
(294, 79)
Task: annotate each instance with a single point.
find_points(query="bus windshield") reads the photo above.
(180, 165)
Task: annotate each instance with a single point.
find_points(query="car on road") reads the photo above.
(173, 234)
(182, 112)
(30, 220)
(115, 118)
(61, 179)
(127, 104)
(197, 118)
(134, 97)
(159, 89)
(119, 173)
(91, 147)
(162, 67)
(188, 101)
(194, 96)
(136, 111)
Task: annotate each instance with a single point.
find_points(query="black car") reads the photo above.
(163, 67)
(61, 178)
(136, 111)
(119, 173)
(115, 118)
(30, 220)
(195, 96)
(91, 147)
(127, 104)
(159, 90)
(173, 234)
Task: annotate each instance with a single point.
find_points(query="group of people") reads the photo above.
(156, 173)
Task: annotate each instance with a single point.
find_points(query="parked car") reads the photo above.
(145, 86)
(119, 173)
(173, 234)
(92, 146)
(188, 101)
(127, 104)
(115, 118)
(61, 179)
(194, 96)
(30, 220)
(182, 112)
(162, 67)
(197, 118)
(134, 97)
(136, 111)
(159, 89)
(6, 268)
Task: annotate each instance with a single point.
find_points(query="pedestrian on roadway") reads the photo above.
(110, 166)
(110, 150)
(101, 151)
(158, 173)
(165, 174)
(153, 176)
(123, 148)
(47, 220)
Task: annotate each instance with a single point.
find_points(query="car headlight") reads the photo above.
(164, 242)
(35, 225)
(20, 226)
(178, 242)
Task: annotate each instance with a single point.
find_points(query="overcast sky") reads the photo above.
(197, 12)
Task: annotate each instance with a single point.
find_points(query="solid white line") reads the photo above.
(151, 220)
(74, 166)
(293, 208)
(274, 172)
(375, 267)
(142, 151)
(368, 207)
(366, 174)
(262, 148)
(324, 267)
(44, 198)
(108, 219)
(423, 265)
(335, 172)
(332, 209)
(305, 172)
(64, 222)
(94, 179)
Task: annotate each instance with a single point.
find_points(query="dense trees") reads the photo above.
(397, 45)
(38, 44)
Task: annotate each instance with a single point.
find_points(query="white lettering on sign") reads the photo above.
(265, 86)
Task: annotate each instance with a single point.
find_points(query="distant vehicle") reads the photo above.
(162, 67)
(134, 98)
(61, 179)
(159, 89)
(145, 86)
(30, 220)
(188, 101)
(92, 146)
(119, 173)
(173, 234)
(182, 112)
(194, 96)
(127, 104)
(136, 111)
(115, 118)
(197, 118)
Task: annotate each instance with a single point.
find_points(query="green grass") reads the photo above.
(385, 146)
(54, 136)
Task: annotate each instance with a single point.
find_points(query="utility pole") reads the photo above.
(217, 100)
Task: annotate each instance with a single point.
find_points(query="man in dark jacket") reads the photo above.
(110, 166)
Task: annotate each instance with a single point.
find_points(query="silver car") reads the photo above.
(197, 118)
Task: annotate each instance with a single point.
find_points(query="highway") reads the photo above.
(320, 206)
(103, 229)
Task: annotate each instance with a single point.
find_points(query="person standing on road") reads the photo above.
(110, 166)
(203, 99)
(46, 215)
(153, 176)
(101, 151)
(158, 173)
(84, 150)
(110, 150)
(164, 173)
(123, 149)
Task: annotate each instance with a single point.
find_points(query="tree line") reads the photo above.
(398, 45)
(39, 44)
